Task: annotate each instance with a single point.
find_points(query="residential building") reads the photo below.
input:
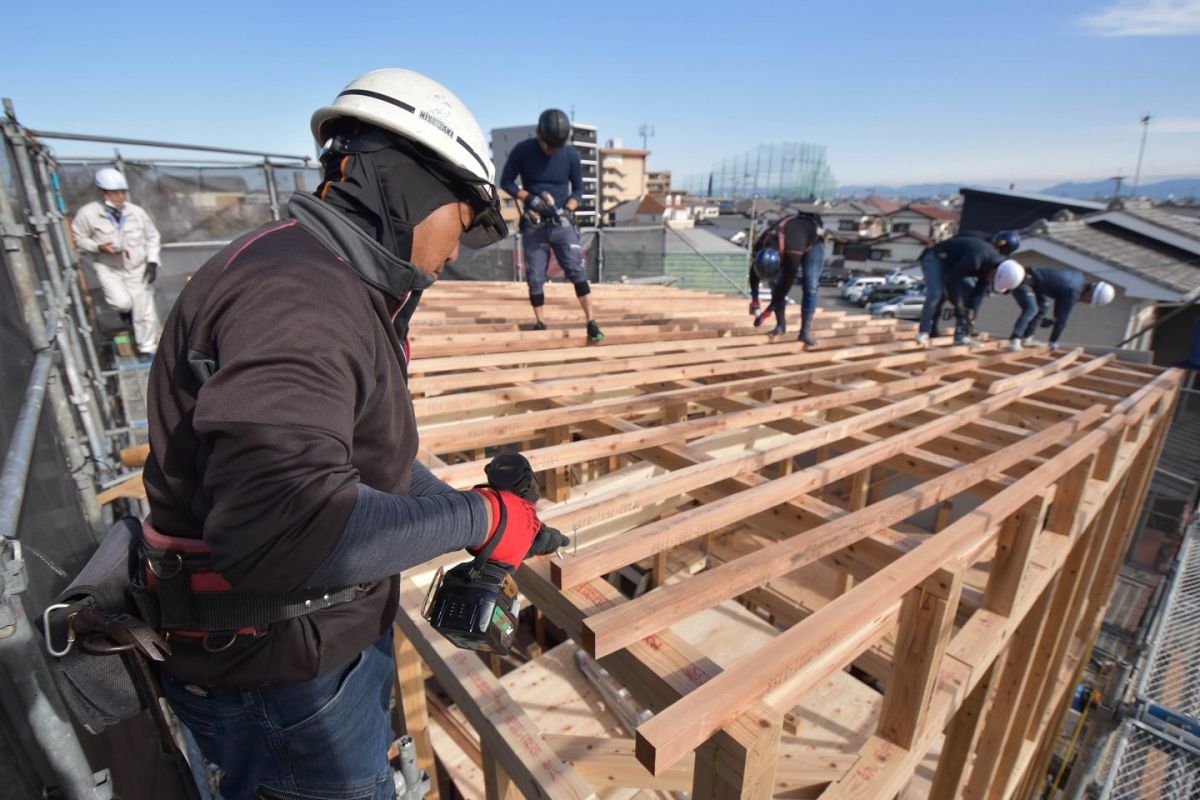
(669, 210)
(991, 210)
(926, 221)
(885, 253)
(622, 174)
(659, 182)
(583, 138)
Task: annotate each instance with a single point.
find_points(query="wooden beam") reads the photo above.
(833, 636)
(410, 687)
(504, 729)
(617, 628)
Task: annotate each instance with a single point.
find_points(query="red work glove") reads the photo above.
(521, 534)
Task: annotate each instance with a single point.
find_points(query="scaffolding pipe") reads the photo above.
(83, 137)
(55, 205)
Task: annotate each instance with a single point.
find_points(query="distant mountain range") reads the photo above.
(1090, 190)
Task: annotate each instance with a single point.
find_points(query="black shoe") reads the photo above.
(807, 338)
(539, 326)
(779, 330)
(594, 332)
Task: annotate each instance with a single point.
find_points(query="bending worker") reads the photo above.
(962, 269)
(551, 186)
(791, 246)
(285, 496)
(126, 246)
(1065, 287)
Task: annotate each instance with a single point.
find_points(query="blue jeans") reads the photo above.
(537, 242)
(324, 739)
(1034, 308)
(936, 290)
(809, 271)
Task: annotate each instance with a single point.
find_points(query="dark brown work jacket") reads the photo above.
(279, 385)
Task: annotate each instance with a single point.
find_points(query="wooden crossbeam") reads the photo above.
(839, 631)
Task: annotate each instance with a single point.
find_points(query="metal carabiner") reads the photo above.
(163, 576)
(209, 648)
(46, 630)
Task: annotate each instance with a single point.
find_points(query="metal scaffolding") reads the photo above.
(1157, 753)
(786, 171)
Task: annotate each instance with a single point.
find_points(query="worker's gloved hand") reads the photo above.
(538, 205)
(516, 529)
(151, 273)
(566, 216)
(754, 308)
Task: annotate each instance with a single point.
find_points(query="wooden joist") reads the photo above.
(965, 506)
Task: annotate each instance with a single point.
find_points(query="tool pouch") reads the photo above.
(99, 689)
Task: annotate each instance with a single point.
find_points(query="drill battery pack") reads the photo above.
(475, 606)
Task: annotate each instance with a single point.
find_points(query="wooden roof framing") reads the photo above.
(969, 508)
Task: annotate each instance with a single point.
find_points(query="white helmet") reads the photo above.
(423, 111)
(1103, 293)
(1009, 275)
(111, 180)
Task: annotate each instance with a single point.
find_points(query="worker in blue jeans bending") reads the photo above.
(551, 186)
(789, 248)
(1063, 287)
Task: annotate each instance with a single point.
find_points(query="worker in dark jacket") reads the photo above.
(551, 187)
(1064, 287)
(799, 250)
(283, 481)
(963, 269)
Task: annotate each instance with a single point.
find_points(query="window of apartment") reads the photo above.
(901, 227)
(880, 253)
(848, 225)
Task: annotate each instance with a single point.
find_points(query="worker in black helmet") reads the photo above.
(551, 186)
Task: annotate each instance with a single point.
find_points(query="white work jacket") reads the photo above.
(134, 236)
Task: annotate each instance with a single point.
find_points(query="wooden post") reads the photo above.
(961, 737)
(496, 783)
(1018, 536)
(727, 768)
(926, 621)
(558, 484)
(410, 685)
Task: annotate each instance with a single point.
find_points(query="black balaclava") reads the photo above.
(385, 192)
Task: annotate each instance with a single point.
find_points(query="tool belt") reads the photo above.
(140, 589)
(177, 590)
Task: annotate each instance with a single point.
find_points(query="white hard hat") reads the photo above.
(1103, 293)
(111, 180)
(1009, 275)
(423, 111)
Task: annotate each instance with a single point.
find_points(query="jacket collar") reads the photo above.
(375, 265)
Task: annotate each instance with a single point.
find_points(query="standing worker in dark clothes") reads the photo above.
(800, 250)
(1065, 287)
(551, 186)
(284, 491)
(962, 269)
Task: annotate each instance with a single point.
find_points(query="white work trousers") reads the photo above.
(125, 290)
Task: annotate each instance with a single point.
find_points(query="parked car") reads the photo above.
(882, 291)
(853, 289)
(907, 307)
(835, 275)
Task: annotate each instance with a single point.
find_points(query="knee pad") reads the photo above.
(537, 300)
(583, 289)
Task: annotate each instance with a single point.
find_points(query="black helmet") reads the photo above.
(554, 128)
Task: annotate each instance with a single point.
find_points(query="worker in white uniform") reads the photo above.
(126, 247)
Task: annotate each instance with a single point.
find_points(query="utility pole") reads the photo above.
(645, 130)
(1137, 173)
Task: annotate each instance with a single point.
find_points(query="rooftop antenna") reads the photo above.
(1119, 179)
(645, 130)
(1137, 173)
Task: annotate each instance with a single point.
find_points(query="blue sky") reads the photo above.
(1019, 91)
